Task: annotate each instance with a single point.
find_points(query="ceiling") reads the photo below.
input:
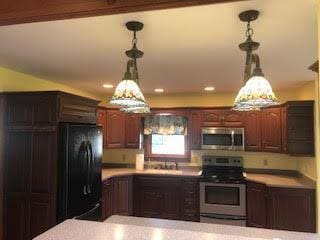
(185, 49)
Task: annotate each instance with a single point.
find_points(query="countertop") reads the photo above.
(271, 180)
(132, 228)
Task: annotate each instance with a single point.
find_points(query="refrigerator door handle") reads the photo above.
(87, 169)
(91, 160)
(82, 155)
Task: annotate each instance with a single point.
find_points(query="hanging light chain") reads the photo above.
(249, 31)
(135, 39)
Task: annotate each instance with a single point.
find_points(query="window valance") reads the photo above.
(165, 125)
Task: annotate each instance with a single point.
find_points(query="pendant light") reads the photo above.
(257, 92)
(128, 94)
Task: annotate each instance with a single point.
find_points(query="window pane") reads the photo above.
(168, 144)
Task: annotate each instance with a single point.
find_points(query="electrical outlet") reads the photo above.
(265, 162)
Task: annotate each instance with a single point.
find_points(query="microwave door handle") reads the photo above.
(223, 217)
(232, 139)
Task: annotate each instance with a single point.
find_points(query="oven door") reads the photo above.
(223, 199)
(222, 138)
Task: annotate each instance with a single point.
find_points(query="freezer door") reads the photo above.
(79, 169)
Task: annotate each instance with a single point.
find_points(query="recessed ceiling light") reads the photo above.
(107, 85)
(209, 89)
(159, 90)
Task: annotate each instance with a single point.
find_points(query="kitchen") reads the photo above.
(201, 155)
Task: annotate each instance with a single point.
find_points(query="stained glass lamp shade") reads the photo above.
(257, 93)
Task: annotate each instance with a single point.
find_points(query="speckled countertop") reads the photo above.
(116, 172)
(271, 180)
(144, 229)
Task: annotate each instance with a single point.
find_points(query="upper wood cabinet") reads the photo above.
(102, 121)
(222, 118)
(48, 108)
(122, 130)
(253, 131)
(133, 129)
(194, 130)
(115, 133)
(271, 129)
(22, 11)
(299, 132)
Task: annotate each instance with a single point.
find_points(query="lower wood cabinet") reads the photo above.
(291, 209)
(122, 195)
(166, 197)
(107, 199)
(256, 205)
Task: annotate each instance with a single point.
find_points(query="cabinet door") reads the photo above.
(284, 129)
(42, 215)
(256, 205)
(194, 130)
(102, 121)
(18, 161)
(190, 200)
(122, 196)
(253, 131)
(157, 197)
(292, 209)
(16, 218)
(115, 129)
(107, 204)
(212, 118)
(233, 119)
(271, 130)
(133, 130)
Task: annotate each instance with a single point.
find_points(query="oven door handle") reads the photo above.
(223, 217)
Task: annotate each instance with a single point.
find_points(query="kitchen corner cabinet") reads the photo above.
(30, 191)
(292, 209)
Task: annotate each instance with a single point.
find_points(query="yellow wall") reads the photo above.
(16, 81)
(317, 97)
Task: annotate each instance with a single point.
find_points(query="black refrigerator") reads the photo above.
(79, 172)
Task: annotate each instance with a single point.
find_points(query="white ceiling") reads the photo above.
(185, 49)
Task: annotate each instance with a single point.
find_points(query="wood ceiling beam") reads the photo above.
(17, 11)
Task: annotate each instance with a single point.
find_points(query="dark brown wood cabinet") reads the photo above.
(222, 118)
(107, 199)
(256, 205)
(115, 133)
(300, 128)
(122, 130)
(102, 121)
(292, 209)
(133, 128)
(30, 193)
(122, 195)
(253, 131)
(166, 197)
(271, 129)
(194, 130)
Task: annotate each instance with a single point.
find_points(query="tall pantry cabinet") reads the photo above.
(31, 145)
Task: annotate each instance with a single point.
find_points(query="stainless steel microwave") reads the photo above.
(222, 138)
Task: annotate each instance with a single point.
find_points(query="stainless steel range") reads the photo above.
(222, 191)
